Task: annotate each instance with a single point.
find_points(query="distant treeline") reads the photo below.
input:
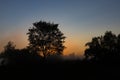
(46, 45)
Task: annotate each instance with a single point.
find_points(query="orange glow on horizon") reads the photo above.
(72, 45)
(19, 40)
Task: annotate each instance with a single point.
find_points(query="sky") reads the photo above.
(79, 20)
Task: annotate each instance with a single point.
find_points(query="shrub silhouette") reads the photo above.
(45, 39)
(18, 56)
(104, 48)
(9, 49)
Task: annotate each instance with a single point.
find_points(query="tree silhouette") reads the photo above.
(10, 46)
(9, 53)
(18, 56)
(104, 48)
(45, 39)
(9, 49)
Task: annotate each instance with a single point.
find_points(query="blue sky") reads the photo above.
(80, 20)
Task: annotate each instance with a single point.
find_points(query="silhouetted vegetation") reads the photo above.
(13, 56)
(43, 56)
(104, 48)
(45, 44)
(45, 39)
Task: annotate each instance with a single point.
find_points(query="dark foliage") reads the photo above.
(12, 56)
(45, 39)
(104, 48)
(45, 45)
(42, 59)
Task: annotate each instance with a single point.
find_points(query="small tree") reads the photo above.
(9, 50)
(45, 39)
(9, 47)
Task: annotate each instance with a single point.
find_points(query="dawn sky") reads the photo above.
(79, 20)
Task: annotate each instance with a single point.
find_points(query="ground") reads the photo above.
(62, 70)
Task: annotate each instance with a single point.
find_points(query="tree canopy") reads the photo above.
(105, 47)
(45, 39)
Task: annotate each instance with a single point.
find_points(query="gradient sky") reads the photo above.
(79, 20)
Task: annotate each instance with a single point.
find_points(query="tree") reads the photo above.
(94, 48)
(45, 39)
(8, 54)
(10, 46)
(104, 47)
(9, 49)
(18, 56)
